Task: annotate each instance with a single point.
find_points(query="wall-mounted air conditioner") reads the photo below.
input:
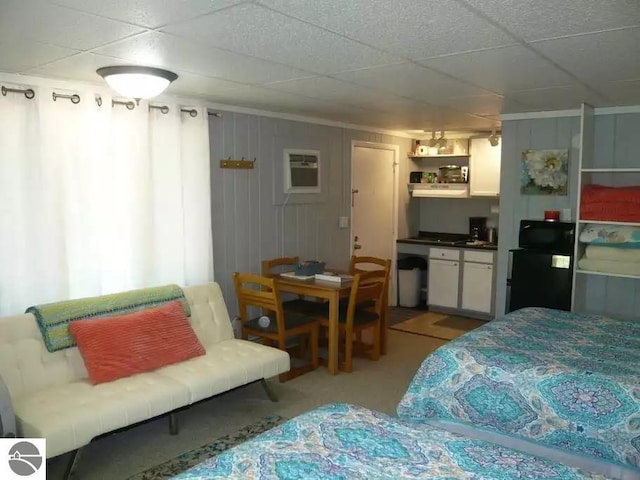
(301, 171)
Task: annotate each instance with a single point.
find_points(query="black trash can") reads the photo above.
(410, 280)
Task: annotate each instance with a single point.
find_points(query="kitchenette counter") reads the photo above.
(452, 240)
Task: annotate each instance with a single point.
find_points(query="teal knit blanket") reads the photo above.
(53, 318)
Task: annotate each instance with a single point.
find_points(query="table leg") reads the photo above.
(333, 333)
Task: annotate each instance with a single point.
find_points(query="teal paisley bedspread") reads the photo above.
(566, 380)
(340, 441)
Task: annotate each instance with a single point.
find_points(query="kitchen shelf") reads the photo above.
(608, 222)
(610, 170)
(446, 155)
(607, 274)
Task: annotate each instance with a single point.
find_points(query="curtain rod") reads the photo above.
(28, 93)
(75, 99)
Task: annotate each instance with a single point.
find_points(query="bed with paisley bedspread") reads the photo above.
(536, 394)
(340, 441)
(558, 379)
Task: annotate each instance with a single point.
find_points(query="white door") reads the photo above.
(373, 202)
(477, 282)
(484, 168)
(443, 283)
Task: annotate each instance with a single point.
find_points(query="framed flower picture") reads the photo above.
(544, 172)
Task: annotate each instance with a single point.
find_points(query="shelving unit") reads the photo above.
(446, 155)
(605, 143)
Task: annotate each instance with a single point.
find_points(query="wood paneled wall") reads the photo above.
(517, 136)
(617, 143)
(252, 219)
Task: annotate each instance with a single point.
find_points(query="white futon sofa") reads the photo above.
(53, 398)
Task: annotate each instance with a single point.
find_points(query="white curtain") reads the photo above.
(96, 200)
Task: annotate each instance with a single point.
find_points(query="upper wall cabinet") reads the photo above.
(484, 169)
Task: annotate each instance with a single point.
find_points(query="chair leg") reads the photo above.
(173, 424)
(375, 350)
(72, 461)
(272, 396)
(313, 338)
(348, 350)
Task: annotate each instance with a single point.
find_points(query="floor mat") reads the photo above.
(189, 459)
(438, 325)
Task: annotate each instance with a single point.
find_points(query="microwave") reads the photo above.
(547, 236)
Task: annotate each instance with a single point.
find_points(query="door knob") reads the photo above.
(357, 246)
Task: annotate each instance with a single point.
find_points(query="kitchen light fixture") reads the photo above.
(494, 139)
(136, 81)
(433, 142)
(442, 142)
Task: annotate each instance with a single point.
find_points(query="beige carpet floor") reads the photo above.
(438, 325)
(377, 385)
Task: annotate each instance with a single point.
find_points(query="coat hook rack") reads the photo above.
(238, 164)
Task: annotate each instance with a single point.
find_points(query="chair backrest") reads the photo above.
(268, 266)
(364, 264)
(367, 264)
(367, 286)
(257, 291)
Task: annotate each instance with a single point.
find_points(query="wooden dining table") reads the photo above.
(331, 291)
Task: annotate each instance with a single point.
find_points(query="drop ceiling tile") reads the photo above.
(42, 22)
(438, 119)
(482, 104)
(21, 56)
(80, 67)
(501, 70)
(253, 30)
(411, 28)
(173, 52)
(147, 13)
(261, 98)
(597, 57)
(624, 93)
(188, 83)
(411, 81)
(556, 98)
(541, 20)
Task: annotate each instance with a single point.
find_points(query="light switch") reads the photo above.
(343, 222)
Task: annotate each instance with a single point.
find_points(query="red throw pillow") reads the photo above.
(116, 347)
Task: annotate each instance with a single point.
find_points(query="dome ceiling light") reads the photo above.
(136, 81)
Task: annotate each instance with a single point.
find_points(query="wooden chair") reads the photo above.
(367, 287)
(365, 264)
(258, 291)
(272, 267)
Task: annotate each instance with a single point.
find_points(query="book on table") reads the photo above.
(333, 277)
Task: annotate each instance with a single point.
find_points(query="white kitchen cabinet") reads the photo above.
(443, 283)
(477, 287)
(484, 169)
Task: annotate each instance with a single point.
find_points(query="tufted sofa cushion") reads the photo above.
(53, 397)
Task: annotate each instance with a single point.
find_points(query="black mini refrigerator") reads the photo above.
(540, 279)
(541, 270)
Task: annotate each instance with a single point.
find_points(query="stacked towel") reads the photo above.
(616, 204)
(611, 260)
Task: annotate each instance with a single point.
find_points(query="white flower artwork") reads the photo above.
(544, 172)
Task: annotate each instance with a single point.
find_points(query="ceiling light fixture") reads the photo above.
(433, 142)
(494, 139)
(442, 142)
(135, 81)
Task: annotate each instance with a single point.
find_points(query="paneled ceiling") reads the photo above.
(394, 64)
